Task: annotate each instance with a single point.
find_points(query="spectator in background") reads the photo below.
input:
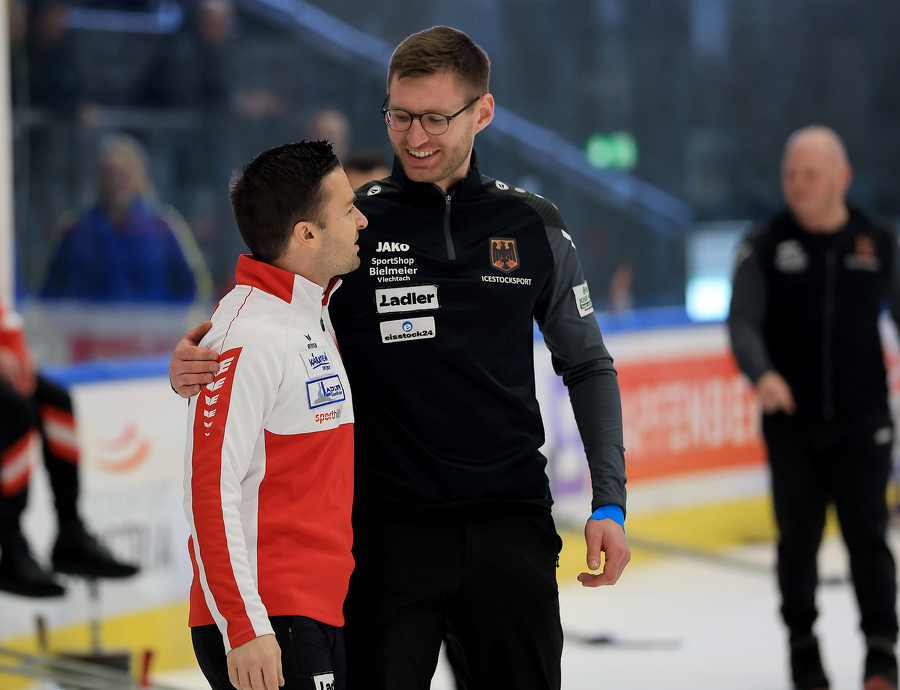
(48, 94)
(365, 167)
(620, 297)
(808, 291)
(125, 248)
(192, 71)
(33, 407)
(52, 78)
(332, 125)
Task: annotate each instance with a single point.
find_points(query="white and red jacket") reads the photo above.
(12, 337)
(16, 458)
(269, 461)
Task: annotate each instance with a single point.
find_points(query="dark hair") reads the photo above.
(365, 161)
(276, 190)
(441, 49)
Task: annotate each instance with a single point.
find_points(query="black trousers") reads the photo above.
(19, 416)
(312, 654)
(486, 582)
(847, 463)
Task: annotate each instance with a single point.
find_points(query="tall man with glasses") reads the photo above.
(452, 527)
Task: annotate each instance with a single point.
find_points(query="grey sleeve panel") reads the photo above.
(580, 357)
(747, 314)
(893, 286)
(598, 414)
(573, 340)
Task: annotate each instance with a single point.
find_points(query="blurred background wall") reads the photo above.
(646, 121)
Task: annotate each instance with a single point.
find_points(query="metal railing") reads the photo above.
(662, 212)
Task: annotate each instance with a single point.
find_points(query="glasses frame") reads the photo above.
(412, 116)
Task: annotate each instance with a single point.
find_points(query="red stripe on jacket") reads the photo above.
(207, 502)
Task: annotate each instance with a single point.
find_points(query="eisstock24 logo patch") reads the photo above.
(407, 329)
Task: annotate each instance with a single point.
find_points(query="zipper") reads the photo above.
(827, 337)
(291, 632)
(451, 251)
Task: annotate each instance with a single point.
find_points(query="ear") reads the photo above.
(485, 112)
(306, 233)
(848, 177)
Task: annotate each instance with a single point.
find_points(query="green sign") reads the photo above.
(612, 150)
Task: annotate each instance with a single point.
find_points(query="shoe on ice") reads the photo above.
(881, 665)
(21, 574)
(77, 552)
(806, 664)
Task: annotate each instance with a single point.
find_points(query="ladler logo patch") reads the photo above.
(504, 256)
(323, 681)
(411, 298)
(325, 391)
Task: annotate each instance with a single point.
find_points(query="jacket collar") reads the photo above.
(286, 286)
(786, 219)
(429, 190)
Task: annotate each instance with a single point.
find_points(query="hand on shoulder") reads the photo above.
(192, 366)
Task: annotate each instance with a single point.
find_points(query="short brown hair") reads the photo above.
(276, 190)
(441, 49)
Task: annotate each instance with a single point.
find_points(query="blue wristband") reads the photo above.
(612, 511)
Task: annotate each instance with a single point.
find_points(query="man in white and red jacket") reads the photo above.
(269, 459)
(37, 413)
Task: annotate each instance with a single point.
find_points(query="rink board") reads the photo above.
(695, 464)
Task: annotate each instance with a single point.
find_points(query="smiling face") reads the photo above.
(338, 252)
(443, 159)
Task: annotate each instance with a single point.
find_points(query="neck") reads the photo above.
(291, 265)
(118, 215)
(825, 223)
(460, 174)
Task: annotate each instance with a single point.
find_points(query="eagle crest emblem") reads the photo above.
(504, 256)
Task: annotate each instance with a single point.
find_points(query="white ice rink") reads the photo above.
(683, 623)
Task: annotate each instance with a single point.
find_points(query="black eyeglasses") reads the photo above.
(433, 123)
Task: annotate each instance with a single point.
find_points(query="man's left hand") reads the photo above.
(605, 536)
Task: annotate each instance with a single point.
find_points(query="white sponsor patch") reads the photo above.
(373, 190)
(407, 329)
(790, 257)
(332, 415)
(323, 681)
(325, 391)
(583, 299)
(409, 298)
(317, 363)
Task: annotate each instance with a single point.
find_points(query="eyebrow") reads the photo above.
(424, 112)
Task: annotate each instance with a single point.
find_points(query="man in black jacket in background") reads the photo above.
(808, 291)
